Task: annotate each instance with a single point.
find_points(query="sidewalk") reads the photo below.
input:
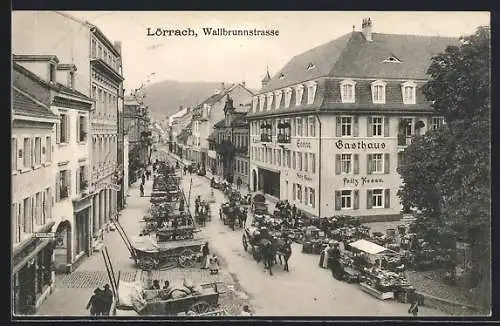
(72, 291)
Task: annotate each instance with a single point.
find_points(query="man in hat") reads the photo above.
(107, 300)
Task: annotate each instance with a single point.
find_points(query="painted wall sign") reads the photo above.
(359, 145)
(302, 144)
(355, 182)
(304, 177)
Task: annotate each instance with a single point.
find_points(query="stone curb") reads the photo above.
(446, 305)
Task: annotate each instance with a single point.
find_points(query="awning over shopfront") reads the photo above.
(368, 247)
(18, 265)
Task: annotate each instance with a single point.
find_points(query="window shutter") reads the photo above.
(356, 199)
(386, 126)
(387, 198)
(58, 189)
(68, 129)
(337, 164)
(355, 129)
(356, 163)
(369, 129)
(20, 154)
(387, 165)
(68, 180)
(369, 164)
(77, 185)
(338, 131)
(77, 128)
(338, 201)
(33, 151)
(58, 132)
(369, 198)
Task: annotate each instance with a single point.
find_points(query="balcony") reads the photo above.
(284, 139)
(265, 138)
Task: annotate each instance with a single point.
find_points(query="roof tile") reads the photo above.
(22, 104)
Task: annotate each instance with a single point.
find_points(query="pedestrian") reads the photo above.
(143, 178)
(413, 299)
(213, 265)
(205, 251)
(155, 285)
(141, 189)
(95, 303)
(107, 300)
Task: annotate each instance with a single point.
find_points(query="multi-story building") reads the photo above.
(327, 129)
(72, 203)
(230, 142)
(208, 113)
(184, 134)
(136, 126)
(99, 76)
(31, 207)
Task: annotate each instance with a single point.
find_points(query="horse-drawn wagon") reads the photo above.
(232, 214)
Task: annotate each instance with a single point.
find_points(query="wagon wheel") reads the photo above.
(146, 264)
(186, 258)
(255, 254)
(245, 242)
(200, 307)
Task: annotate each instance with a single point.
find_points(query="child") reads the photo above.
(213, 265)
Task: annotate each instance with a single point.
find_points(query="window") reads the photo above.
(13, 153)
(346, 126)
(306, 162)
(299, 193)
(38, 150)
(48, 149)
(294, 191)
(299, 91)
(47, 205)
(312, 126)
(346, 163)
(71, 79)
(262, 99)
(346, 199)
(82, 128)
(312, 163)
(288, 96)
(298, 127)
(408, 127)
(27, 153)
(52, 72)
(376, 162)
(279, 157)
(99, 51)
(288, 158)
(294, 160)
(378, 92)
(93, 49)
(312, 197)
(38, 209)
(436, 123)
(99, 102)
(377, 125)
(299, 161)
(311, 92)
(63, 184)
(377, 198)
(401, 158)
(347, 91)
(63, 130)
(277, 99)
(408, 90)
(28, 215)
(269, 101)
(310, 66)
(255, 101)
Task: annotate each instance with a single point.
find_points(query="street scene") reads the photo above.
(343, 175)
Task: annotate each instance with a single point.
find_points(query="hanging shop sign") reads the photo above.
(360, 182)
(359, 145)
(304, 177)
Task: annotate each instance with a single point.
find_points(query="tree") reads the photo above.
(446, 173)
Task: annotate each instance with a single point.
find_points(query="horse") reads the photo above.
(283, 252)
(267, 254)
(241, 215)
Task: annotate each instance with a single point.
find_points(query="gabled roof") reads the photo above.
(24, 104)
(351, 55)
(54, 86)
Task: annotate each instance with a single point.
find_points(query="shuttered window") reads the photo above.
(13, 153)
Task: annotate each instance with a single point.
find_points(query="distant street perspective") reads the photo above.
(255, 170)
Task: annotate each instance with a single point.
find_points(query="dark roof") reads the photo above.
(220, 124)
(267, 77)
(239, 120)
(211, 100)
(351, 55)
(57, 86)
(23, 104)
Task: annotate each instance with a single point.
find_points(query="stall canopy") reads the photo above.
(369, 247)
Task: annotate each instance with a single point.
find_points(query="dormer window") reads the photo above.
(52, 72)
(299, 91)
(277, 99)
(348, 91)
(310, 66)
(392, 59)
(288, 96)
(408, 91)
(269, 101)
(282, 76)
(311, 92)
(262, 99)
(255, 102)
(378, 92)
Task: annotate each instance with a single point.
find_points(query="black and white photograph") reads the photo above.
(249, 164)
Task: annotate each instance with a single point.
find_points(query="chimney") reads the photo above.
(366, 29)
(118, 47)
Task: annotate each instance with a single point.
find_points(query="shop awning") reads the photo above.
(31, 255)
(368, 247)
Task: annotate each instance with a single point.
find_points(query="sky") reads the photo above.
(245, 58)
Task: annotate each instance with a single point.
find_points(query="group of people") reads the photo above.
(145, 176)
(208, 261)
(156, 285)
(289, 213)
(100, 302)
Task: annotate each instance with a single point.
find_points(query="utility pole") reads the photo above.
(189, 194)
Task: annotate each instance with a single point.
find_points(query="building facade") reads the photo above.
(31, 208)
(99, 77)
(72, 206)
(231, 138)
(327, 131)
